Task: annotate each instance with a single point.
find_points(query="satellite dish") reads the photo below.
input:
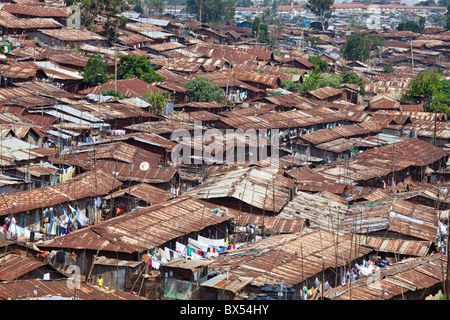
(144, 166)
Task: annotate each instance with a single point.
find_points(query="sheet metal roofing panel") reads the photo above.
(14, 150)
(58, 289)
(321, 212)
(291, 100)
(320, 186)
(152, 21)
(161, 47)
(72, 34)
(37, 11)
(253, 186)
(393, 281)
(405, 247)
(153, 226)
(188, 264)
(143, 191)
(246, 76)
(413, 150)
(17, 72)
(123, 172)
(133, 87)
(324, 93)
(353, 170)
(39, 169)
(89, 184)
(13, 266)
(292, 258)
(271, 223)
(160, 127)
(55, 71)
(115, 262)
(304, 174)
(233, 284)
(399, 216)
(155, 34)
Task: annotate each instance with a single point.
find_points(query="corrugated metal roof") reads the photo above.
(393, 281)
(189, 264)
(58, 289)
(254, 77)
(254, 186)
(321, 212)
(89, 184)
(271, 223)
(414, 150)
(129, 87)
(222, 282)
(143, 229)
(8, 20)
(15, 150)
(401, 246)
(37, 10)
(13, 266)
(146, 192)
(291, 258)
(161, 47)
(72, 35)
(325, 93)
(115, 262)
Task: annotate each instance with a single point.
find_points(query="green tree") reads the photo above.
(155, 7)
(355, 48)
(211, 10)
(315, 41)
(244, 3)
(359, 46)
(291, 86)
(447, 24)
(131, 66)
(353, 77)
(116, 94)
(110, 9)
(318, 61)
(408, 26)
(202, 89)
(388, 67)
(157, 100)
(138, 7)
(308, 83)
(95, 71)
(435, 91)
(422, 21)
(261, 32)
(322, 9)
(329, 80)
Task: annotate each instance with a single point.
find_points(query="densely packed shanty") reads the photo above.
(170, 158)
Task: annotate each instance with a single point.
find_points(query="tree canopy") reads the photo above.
(322, 10)
(157, 100)
(131, 66)
(96, 70)
(359, 46)
(260, 31)
(211, 10)
(411, 25)
(434, 90)
(318, 61)
(202, 89)
(89, 9)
